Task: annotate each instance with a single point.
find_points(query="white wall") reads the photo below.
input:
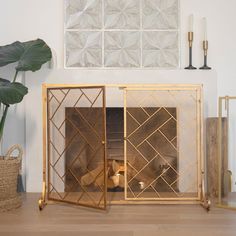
(28, 19)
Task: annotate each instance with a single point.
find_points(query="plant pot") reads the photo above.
(9, 171)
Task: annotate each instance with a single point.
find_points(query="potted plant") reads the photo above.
(28, 56)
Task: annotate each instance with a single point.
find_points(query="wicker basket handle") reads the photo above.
(12, 149)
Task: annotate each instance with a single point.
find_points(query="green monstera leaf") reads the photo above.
(11, 92)
(30, 55)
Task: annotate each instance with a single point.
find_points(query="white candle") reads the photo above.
(205, 28)
(191, 23)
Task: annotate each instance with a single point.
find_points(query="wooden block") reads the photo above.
(212, 156)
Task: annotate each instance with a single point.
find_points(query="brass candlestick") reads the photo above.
(205, 49)
(190, 40)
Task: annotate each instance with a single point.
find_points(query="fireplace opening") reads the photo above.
(152, 160)
(115, 149)
(87, 154)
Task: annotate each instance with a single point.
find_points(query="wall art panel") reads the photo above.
(160, 14)
(121, 33)
(122, 49)
(122, 14)
(83, 14)
(84, 49)
(160, 49)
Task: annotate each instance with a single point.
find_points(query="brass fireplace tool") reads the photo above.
(205, 49)
(190, 40)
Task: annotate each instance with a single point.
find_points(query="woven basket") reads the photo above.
(9, 171)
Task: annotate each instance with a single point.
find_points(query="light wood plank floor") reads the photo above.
(149, 220)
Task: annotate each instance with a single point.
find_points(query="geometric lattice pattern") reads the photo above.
(122, 33)
(155, 167)
(162, 144)
(76, 149)
(152, 151)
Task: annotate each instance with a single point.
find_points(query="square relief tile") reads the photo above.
(83, 14)
(160, 14)
(122, 14)
(84, 49)
(122, 49)
(160, 49)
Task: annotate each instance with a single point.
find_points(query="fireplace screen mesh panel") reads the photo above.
(76, 146)
(162, 144)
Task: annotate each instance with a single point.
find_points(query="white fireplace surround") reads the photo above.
(25, 119)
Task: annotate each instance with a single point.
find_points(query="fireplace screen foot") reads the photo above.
(206, 204)
(42, 201)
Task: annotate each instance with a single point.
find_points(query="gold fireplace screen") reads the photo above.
(147, 149)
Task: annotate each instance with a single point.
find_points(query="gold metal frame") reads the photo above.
(42, 200)
(223, 101)
(201, 175)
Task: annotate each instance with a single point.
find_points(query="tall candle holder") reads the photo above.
(205, 49)
(190, 41)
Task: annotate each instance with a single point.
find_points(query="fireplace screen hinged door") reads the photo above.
(162, 143)
(76, 160)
